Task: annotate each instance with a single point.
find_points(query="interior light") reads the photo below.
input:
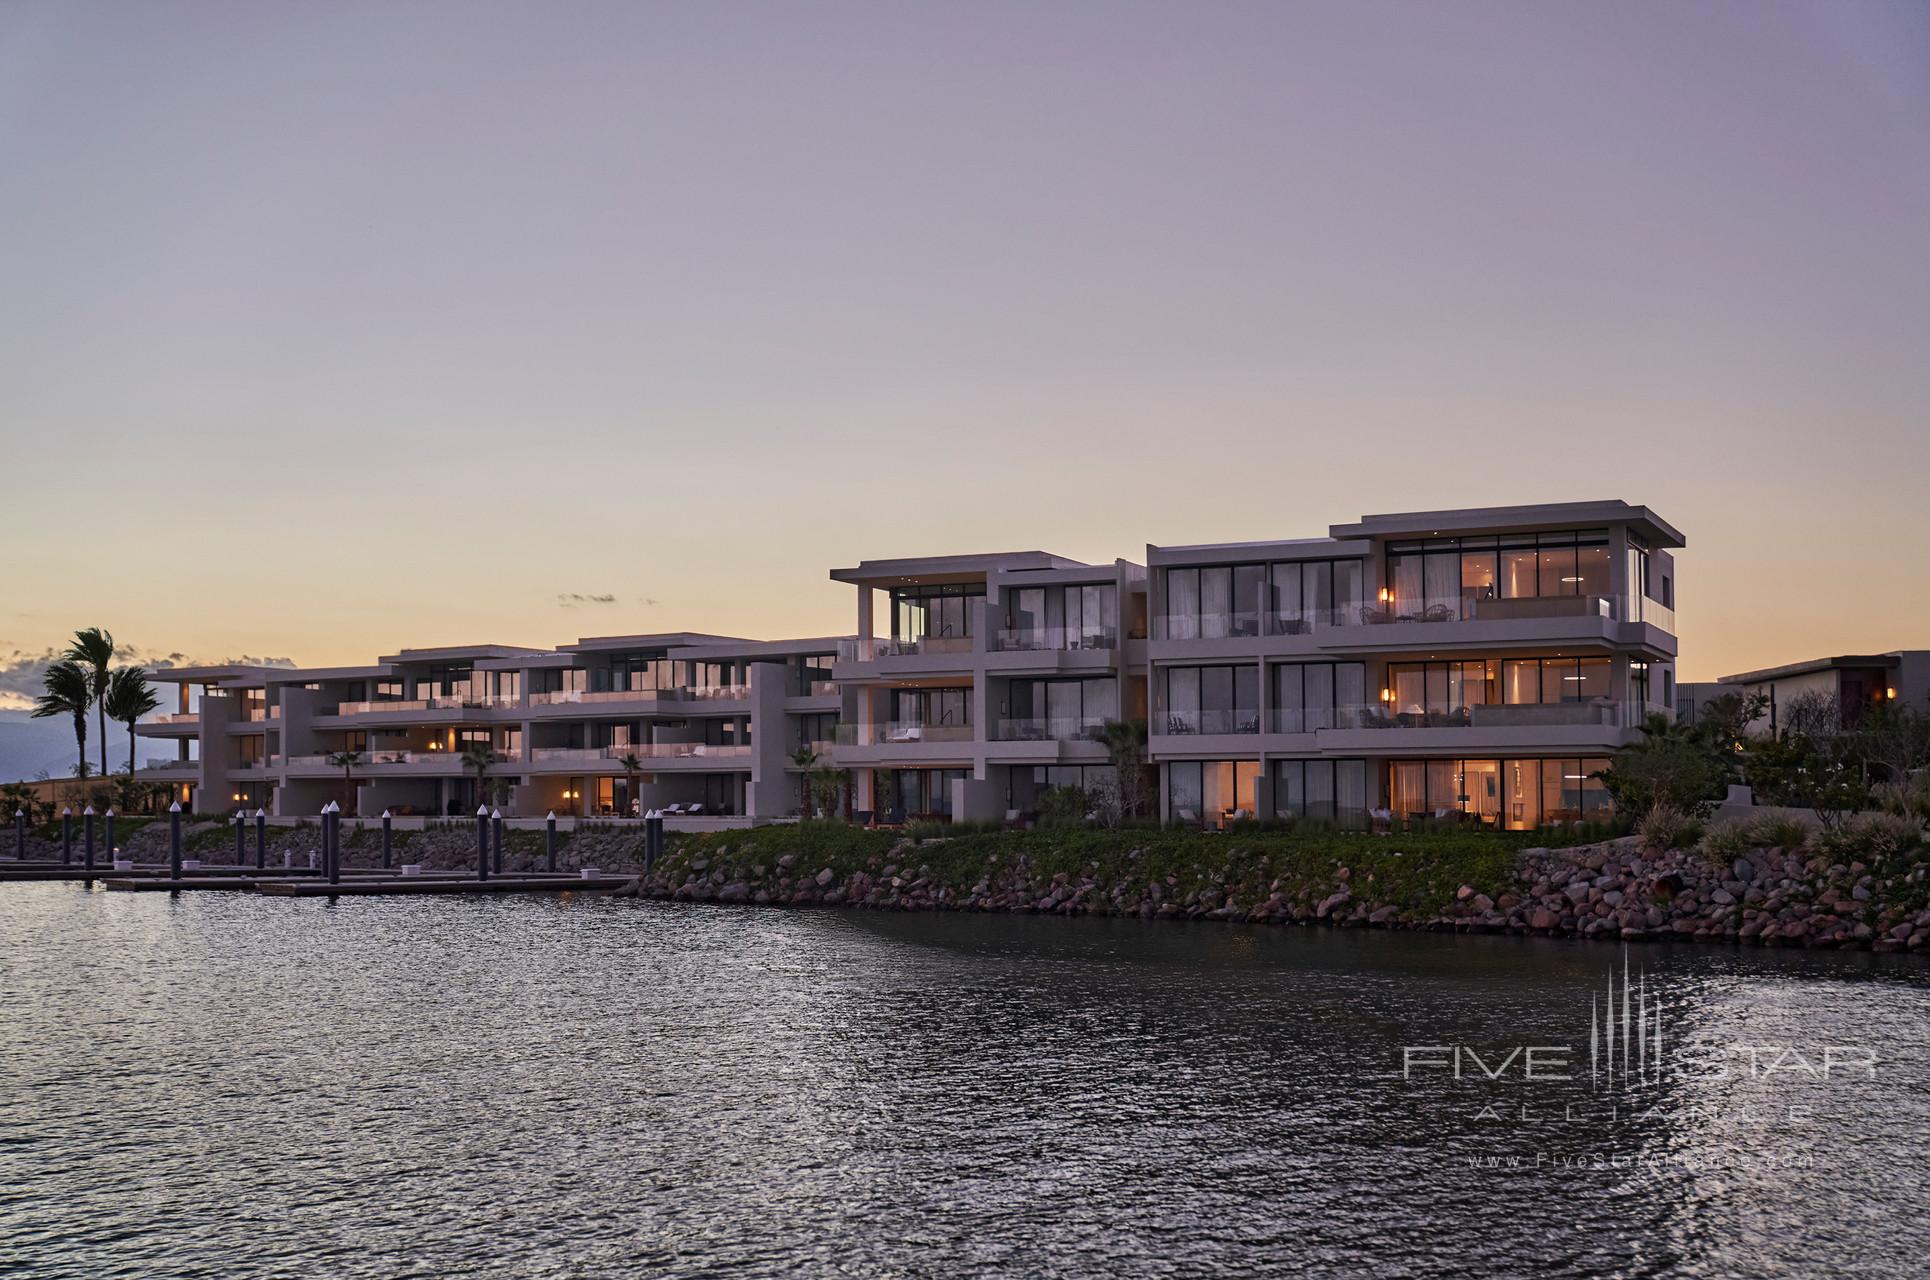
(1890, 693)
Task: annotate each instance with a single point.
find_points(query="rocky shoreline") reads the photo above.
(1617, 889)
(1614, 890)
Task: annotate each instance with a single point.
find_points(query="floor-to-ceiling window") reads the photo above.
(1326, 790)
(943, 613)
(1213, 792)
(1080, 616)
(1517, 794)
(1443, 579)
(1044, 710)
(1211, 699)
(1308, 696)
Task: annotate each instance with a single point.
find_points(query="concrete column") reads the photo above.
(865, 648)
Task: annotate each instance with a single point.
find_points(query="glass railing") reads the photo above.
(821, 689)
(884, 647)
(1049, 729)
(1206, 626)
(1391, 611)
(1598, 713)
(1187, 722)
(178, 717)
(1035, 639)
(886, 733)
(643, 751)
(694, 693)
(407, 704)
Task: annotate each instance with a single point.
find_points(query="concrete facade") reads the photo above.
(1476, 665)
(1853, 682)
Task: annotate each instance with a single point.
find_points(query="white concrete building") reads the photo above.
(1479, 664)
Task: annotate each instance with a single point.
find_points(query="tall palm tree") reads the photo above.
(69, 693)
(129, 697)
(632, 778)
(1125, 743)
(479, 756)
(346, 762)
(93, 651)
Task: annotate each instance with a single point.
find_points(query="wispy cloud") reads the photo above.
(574, 599)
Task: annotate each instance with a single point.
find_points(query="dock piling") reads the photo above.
(241, 836)
(20, 834)
(87, 822)
(388, 839)
(112, 852)
(261, 839)
(482, 844)
(174, 840)
(496, 821)
(549, 829)
(66, 837)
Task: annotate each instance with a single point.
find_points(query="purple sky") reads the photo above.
(443, 311)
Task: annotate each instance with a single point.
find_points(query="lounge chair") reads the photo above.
(673, 811)
(693, 811)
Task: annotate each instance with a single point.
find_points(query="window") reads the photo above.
(1441, 579)
(1308, 696)
(1526, 681)
(1211, 792)
(1023, 786)
(1517, 794)
(1325, 790)
(1058, 709)
(1216, 699)
(1072, 617)
(943, 612)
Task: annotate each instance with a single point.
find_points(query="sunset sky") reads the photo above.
(331, 328)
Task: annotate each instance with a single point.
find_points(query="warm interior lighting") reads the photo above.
(1386, 695)
(1890, 693)
(1386, 595)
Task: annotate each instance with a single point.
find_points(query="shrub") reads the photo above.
(1906, 799)
(1778, 831)
(1665, 827)
(1725, 841)
(1870, 837)
(1062, 807)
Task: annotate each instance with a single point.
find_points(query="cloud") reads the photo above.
(571, 599)
(23, 674)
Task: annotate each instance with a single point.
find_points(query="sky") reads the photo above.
(328, 329)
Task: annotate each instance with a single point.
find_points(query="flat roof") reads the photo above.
(443, 652)
(1543, 515)
(221, 673)
(1840, 662)
(653, 640)
(942, 569)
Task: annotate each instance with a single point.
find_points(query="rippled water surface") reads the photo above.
(226, 1085)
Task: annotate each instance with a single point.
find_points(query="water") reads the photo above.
(227, 1085)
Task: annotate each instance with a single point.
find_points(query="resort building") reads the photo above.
(1854, 683)
(616, 725)
(1479, 665)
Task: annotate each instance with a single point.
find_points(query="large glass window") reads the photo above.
(1327, 790)
(1212, 699)
(1437, 694)
(1517, 794)
(932, 707)
(1441, 579)
(1303, 594)
(1308, 696)
(1211, 792)
(1058, 709)
(943, 612)
(1084, 616)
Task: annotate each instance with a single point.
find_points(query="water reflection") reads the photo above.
(226, 1085)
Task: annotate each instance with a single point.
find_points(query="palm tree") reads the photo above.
(93, 651)
(129, 697)
(346, 762)
(479, 756)
(69, 693)
(632, 780)
(804, 760)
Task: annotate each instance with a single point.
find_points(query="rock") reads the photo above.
(1743, 869)
(825, 877)
(1543, 919)
(1722, 897)
(1465, 892)
(1382, 916)
(788, 861)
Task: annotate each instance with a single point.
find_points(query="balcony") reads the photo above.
(176, 717)
(1053, 639)
(1049, 729)
(882, 647)
(900, 732)
(1601, 713)
(1182, 723)
(693, 693)
(1393, 612)
(642, 751)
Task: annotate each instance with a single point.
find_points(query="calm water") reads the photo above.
(225, 1085)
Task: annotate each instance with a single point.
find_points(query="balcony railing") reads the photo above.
(1049, 729)
(1394, 611)
(693, 693)
(882, 647)
(1185, 722)
(1597, 713)
(1046, 639)
(644, 751)
(178, 717)
(822, 689)
(892, 732)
